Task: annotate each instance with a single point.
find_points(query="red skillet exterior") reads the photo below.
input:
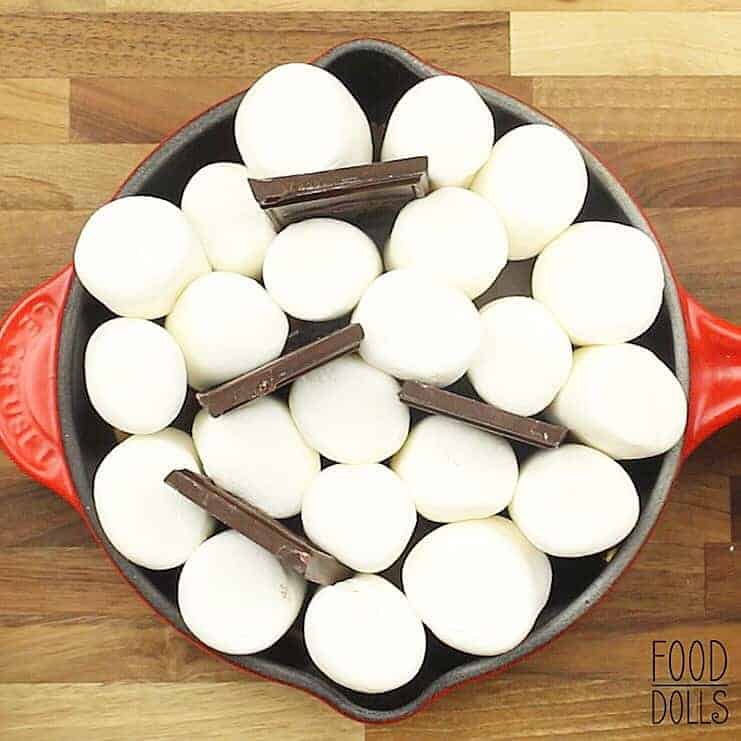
(30, 429)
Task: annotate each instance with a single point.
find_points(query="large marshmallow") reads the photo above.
(350, 411)
(136, 255)
(319, 268)
(622, 400)
(603, 282)
(135, 375)
(226, 324)
(574, 501)
(455, 471)
(236, 597)
(478, 585)
(257, 453)
(363, 515)
(452, 233)
(147, 521)
(418, 328)
(444, 119)
(298, 118)
(363, 634)
(537, 181)
(525, 356)
(234, 230)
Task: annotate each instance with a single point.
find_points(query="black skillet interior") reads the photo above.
(377, 74)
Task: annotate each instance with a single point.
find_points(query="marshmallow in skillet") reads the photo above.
(452, 233)
(622, 400)
(363, 634)
(478, 585)
(603, 282)
(525, 356)
(146, 521)
(537, 181)
(362, 514)
(226, 324)
(574, 501)
(455, 471)
(257, 453)
(135, 375)
(319, 268)
(350, 411)
(136, 254)
(236, 597)
(298, 118)
(234, 230)
(417, 327)
(444, 119)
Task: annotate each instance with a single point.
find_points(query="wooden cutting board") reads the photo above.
(87, 87)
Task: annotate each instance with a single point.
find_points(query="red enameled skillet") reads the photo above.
(49, 428)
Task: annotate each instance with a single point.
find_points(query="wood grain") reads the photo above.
(658, 108)
(259, 711)
(76, 176)
(235, 44)
(676, 173)
(34, 111)
(84, 95)
(190, 6)
(626, 43)
(723, 580)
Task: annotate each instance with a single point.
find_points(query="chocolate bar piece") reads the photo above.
(482, 415)
(293, 551)
(345, 192)
(271, 376)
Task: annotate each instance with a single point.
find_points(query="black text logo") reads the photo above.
(688, 683)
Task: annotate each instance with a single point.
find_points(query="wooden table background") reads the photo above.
(86, 88)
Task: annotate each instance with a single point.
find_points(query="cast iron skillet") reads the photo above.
(49, 428)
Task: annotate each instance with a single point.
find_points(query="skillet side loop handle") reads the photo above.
(715, 372)
(30, 432)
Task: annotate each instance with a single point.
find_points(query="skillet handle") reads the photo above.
(715, 372)
(30, 432)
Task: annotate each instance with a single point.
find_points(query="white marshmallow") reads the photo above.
(418, 328)
(363, 515)
(147, 521)
(350, 411)
(478, 585)
(236, 597)
(446, 120)
(319, 268)
(537, 181)
(257, 453)
(226, 324)
(574, 501)
(622, 400)
(363, 634)
(602, 281)
(298, 118)
(456, 472)
(234, 230)
(135, 375)
(525, 356)
(452, 233)
(136, 254)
